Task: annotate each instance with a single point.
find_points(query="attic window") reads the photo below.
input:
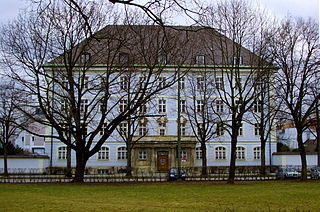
(123, 58)
(162, 59)
(200, 59)
(85, 57)
(237, 60)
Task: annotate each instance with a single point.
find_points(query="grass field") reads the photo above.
(259, 196)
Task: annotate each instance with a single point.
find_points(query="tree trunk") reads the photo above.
(302, 155)
(5, 161)
(232, 167)
(129, 162)
(80, 167)
(69, 170)
(263, 157)
(204, 171)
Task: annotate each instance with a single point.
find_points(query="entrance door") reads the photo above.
(162, 161)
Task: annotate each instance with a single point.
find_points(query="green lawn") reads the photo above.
(278, 196)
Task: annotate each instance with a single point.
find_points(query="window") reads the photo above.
(62, 153)
(238, 83)
(103, 153)
(219, 83)
(240, 153)
(84, 105)
(65, 83)
(123, 105)
(182, 83)
(241, 130)
(183, 129)
(200, 59)
(143, 109)
(162, 59)
(219, 106)
(198, 153)
(238, 105)
(162, 129)
(142, 82)
(200, 83)
(237, 60)
(84, 129)
(183, 108)
(162, 106)
(64, 105)
(142, 155)
(220, 153)
(162, 82)
(104, 129)
(142, 129)
(86, 82)
(123, 128)
(257, 106)
(184, 156)
(122, 153)
(257, 129)
(123, 58)
(200, 130)
(257, 153)
(124, 83)
(220, 129)
(200, 106)
(85, 58)
(22, 139)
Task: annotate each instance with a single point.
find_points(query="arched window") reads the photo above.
(103, 153)
(122, 153)
(220, 153)
(257, 153)
(241, 153)
(62, 153)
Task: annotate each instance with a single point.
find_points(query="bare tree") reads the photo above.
(295, 48)
(236, 78)
(11, 119)
(72, 90)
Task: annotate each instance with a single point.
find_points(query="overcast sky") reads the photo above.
(280, 8)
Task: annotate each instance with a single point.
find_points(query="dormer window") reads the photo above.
(85, 58)
(162, 59)
(123, 58)
(200, 59)
(237, 60)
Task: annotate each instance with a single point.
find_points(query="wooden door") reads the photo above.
(163, 161)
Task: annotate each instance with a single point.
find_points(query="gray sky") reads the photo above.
(280, 8)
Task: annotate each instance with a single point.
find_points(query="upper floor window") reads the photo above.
(123, 128)
(237, 60)
(162, 59)
(200, 106)
(256, 129)
(241, 130)
(220, 129)
(257, 106)
(183, 106)
(200, 83)
(123, 105)
(162, 128)
(162, 82)
(181, 83)
(65, 83)
(84, 105)
(104, 129)
(143, 130)
(62, 153)
(143, 109)
(219, 83)
(183, 129)
(124, 83)
(103, 153)
(200, 59)
(219, 106)
(240, 153)
(162, 106)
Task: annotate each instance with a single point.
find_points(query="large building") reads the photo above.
(201, 61)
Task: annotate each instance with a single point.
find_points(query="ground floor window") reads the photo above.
(220, 153)
(257, 153)
(103, 153)
(198, 153)
(240, 153)
(62, 153)
(142, 155)
(122, 153)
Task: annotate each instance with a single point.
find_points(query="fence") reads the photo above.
(120, 175)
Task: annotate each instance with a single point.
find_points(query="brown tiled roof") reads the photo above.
(144, 43)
